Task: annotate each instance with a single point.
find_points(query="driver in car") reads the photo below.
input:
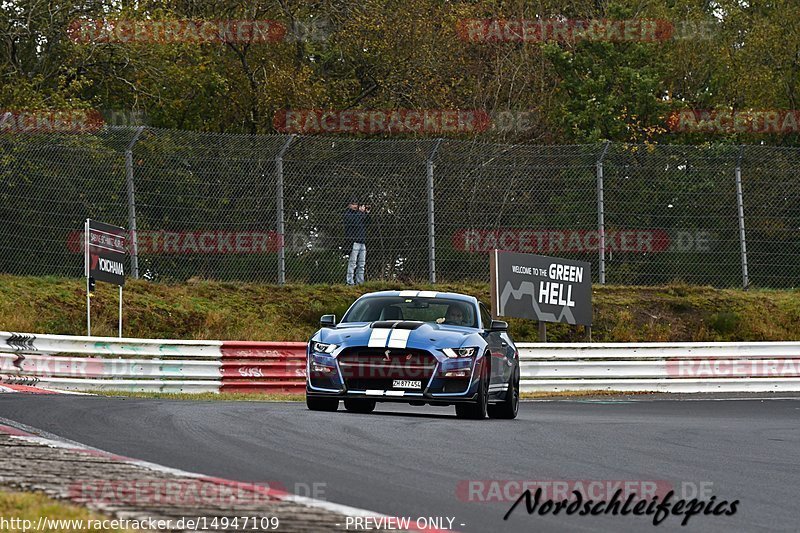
(454, 315)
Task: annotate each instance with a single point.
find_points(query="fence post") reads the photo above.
(601, 215)
(281, 229)
(740, 207)
(134, 241)
(431, 215)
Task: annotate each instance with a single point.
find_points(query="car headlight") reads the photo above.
(321, 347)
(322, 369)
(460, 373)
(460, 352)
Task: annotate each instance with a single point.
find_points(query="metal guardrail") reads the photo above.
(107, 363)
(146, 365)
(664, 367)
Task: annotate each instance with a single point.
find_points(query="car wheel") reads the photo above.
(509, 408)
(477, 409)
(355, 405)
(315, 403)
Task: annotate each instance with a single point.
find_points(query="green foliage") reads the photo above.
(378, 54)
(724, 323)
(245, 311)
(28, 507)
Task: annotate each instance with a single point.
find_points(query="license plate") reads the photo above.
(405, 384)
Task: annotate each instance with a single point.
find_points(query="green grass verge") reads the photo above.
(250, 311)
(583, 393)
(247, 397)
(32, 505)
(224, 396)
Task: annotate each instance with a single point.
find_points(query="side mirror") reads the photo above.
(498, 325)
(327, 321)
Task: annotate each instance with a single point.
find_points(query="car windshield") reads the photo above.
(437, 310)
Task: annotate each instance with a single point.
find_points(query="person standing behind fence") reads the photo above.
(356, 217)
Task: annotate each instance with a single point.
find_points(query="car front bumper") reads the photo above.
(360, 373)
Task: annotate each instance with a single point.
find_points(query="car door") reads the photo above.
(497, 347)
(509, 355)
(504, 351)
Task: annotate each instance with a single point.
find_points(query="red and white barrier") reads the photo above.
(263, 366)
(148, 365)
(108, 363)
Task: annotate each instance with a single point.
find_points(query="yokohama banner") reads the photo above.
(106, 254)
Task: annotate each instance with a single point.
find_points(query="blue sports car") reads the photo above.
(418, 347)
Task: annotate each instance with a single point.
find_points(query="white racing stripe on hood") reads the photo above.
(377, 339)
(399, 338)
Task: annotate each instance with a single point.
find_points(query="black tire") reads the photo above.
(315, 403)
(357, 405)
(510, 407)
(477, 409)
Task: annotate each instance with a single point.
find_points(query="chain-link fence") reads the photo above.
(270, 208)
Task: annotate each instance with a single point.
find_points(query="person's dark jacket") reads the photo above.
(355, 226)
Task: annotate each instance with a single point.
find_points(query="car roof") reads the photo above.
(411, 293)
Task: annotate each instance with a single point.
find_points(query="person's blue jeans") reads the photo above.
(358, 258)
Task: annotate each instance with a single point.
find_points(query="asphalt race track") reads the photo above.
(408, 461)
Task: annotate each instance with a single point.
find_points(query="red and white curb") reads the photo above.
(271, 493)
(7, 388)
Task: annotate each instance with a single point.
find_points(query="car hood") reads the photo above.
(421, 335)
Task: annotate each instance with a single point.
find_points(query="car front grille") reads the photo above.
(378, 368)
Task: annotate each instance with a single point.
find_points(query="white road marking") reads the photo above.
(36, 389)
(661, 399)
